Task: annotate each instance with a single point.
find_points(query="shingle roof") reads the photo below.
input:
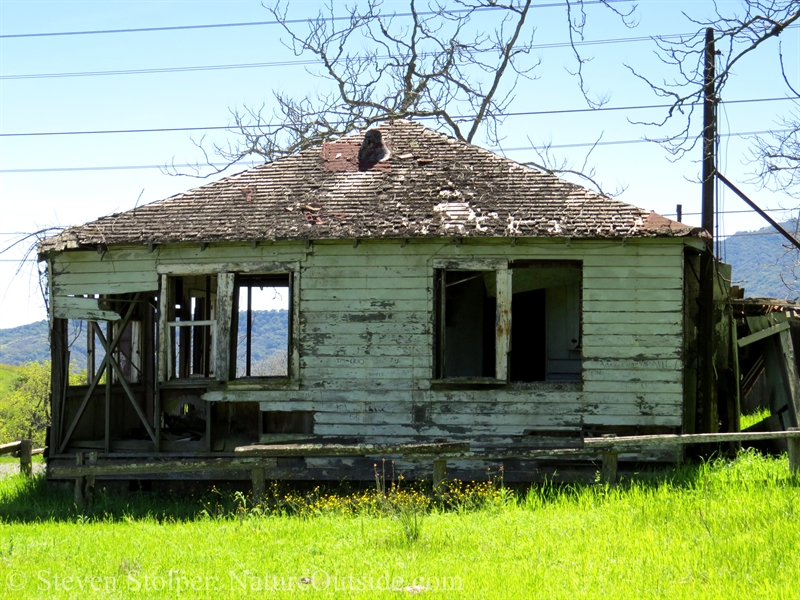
(431, 186)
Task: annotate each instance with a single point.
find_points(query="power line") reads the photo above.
(748, 234)
(274, 126)
(262, 23)
(194, 165)
(731, 212)
(620, 142)
(296, 63)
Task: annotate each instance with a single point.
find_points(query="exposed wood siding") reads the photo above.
(366, 332)
(364, 359)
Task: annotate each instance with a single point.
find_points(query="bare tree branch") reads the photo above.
(560, 166)
(443, 64)
(737, 34)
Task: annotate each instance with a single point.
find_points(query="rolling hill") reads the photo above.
(27, 343)
(762, 264)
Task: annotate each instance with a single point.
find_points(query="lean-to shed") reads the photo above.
(436, 292)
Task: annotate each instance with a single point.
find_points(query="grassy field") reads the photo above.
(717, 530)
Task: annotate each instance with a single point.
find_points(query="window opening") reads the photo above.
(546, 321)
(467, 341)
(261, 328)
(192, 326)
(521, 324)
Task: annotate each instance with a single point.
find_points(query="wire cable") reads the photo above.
(195, 165)
(262, 23)
(268, 126)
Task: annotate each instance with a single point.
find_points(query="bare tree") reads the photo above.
(740, 30)
(435, 62)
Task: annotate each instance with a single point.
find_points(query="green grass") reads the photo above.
(717, 530)
(753, 418)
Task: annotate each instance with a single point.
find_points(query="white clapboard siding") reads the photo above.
(365, 332)
(357, 303)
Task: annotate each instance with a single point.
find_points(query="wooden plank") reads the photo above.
(224, 311)
(355, 374)
(350, 450)
(377, 317)
(632, 318)
(638, 420)
(637, 285)
(471, 419)
(232, 253)
(633, 352)
(317, 381)
(652, 261)
(794, 451)
(694, 438)
(146, 280)
(621, 375)
(593, 329)
(632, 386)
(295, 327)
(166, 466)
(421, 350)
(454, 432)
(317, 281)
(618, 294)
(628, 364)
(368, 294)
(633, 273)
(643, 339)
(439, 473)
(470, 264)
(375, 329)
(503, 322)
(261, 267)
(371, 273)
(84, 314)
(370, 260)
(338, 305)
(764, 333)
(366, 362)
(633, 306)
(10, 448)
(259, 484)
(106, 266)
(354, 340)
(102, 287)
(163, 329)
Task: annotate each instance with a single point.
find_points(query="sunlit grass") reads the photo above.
(716, 530)
(753, 418)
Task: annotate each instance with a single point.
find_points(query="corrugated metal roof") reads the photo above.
(430, 186)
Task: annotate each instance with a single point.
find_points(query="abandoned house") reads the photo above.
(435, 293)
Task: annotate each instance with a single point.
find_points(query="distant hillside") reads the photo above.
(759, 261)
(25, 343)
(30, 342)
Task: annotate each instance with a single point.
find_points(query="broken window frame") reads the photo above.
(503, 271)
(502, 326)
(266, 279)
(171, 329)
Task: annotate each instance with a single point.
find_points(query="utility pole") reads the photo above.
(707, 402)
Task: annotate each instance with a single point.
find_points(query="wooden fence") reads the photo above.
(25, 450)
(258, 458)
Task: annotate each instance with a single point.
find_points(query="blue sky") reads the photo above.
(30, 201)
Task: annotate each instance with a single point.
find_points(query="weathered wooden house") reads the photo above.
(437, 293)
